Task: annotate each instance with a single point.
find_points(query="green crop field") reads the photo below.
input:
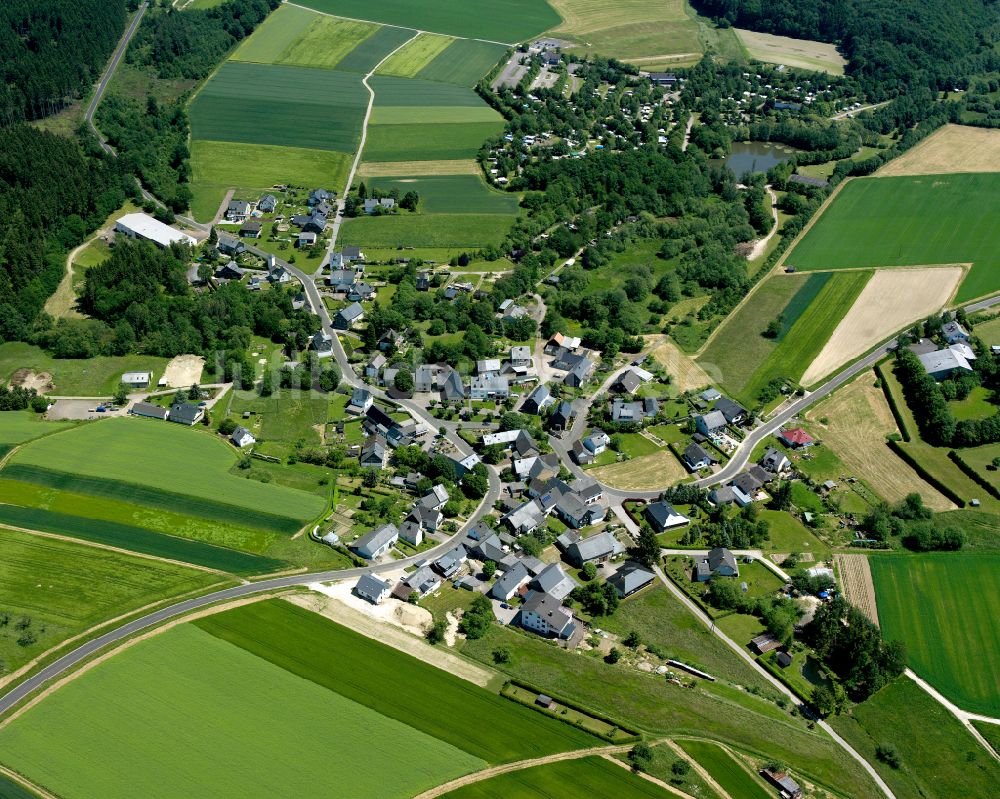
(16, 427)
(428, 142)
(66, 588)
(368, 53)
(431, 114)
(563, 780)
(323, 43)
(76, 377)
(939, 758)
(217, 166)
(451, 194)
(126, 727)
(9, 789)
(734, 779)
(502, 20)
(409, 92)
(276, 35)
(990, 731)
(291, 106)
(167, 457)
(393, 683)
(938, 604)
(906, 221)
(416, 55)
(427, 230)
(464, 62)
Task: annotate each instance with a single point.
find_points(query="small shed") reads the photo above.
(545, 701)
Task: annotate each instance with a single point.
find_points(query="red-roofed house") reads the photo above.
(796, 438)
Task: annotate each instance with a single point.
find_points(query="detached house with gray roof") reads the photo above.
(347, 317)
(511, 581)
(695, 457)
(719, 562)
(554, 581)
(376, 543)
(544, 614)
(596, 549)
(372, 588)
(630, 578)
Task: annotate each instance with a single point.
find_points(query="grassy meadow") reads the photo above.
(76, 377)
(939, 605)
(16, 427)
(450, 194)
(416, 55)
(427, 230)
(725, 770)
(908, 221)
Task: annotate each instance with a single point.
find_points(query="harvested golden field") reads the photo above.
(858, 419)
(390, 169)
(890, 301)
(801, 53)
(642, 474)
(951, 148)
(685, 372)
(856, 579)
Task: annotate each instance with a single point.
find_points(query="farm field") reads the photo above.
(296, 37)
(120, 729)
(409, 92)
(450, 194)
(939, 759)
(392, 683)
(504, 20)
(854, 571)
(321, 108)
(416, 55)
(936, 604)
(990, 731)
(423, 115)
(66, 588)
(429, 141)
(367, 54)
(562, 780)
(75, 377)
(951, 148)
(390, 169)
(17, 427)
(686, 373)
(463, 62)
(858, 420)
(99, 450)
(647, 34)
(217, 166)
(916, 294)
(427, 230)
(909, 221)
(798, 53)
(734, 778)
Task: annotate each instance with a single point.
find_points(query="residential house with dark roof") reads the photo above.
(375, 453)
(630, 578)
(710, 423)
(186, 413)
(537, 400)
(229, 271)
(316, 223)
(372, 588)
(451, 561)
(595, 549)
(317, 196)
(229, 244)
(347, 317)
(662, 516)
(554, 581)
(775, 461)
(581, 454)
(544, 614)
(508, 585)
(628, 383)
(250, 229)
(149, 410)
(719, 562)
(579, 374)
(237, 210)
(424, 581)
(374, 367)
(452, 388)
(695, 457)
(322, 344)
(596, 441)
(267, 204)
(733, 411)
(561, 417)
(242, 437)
(361, 401)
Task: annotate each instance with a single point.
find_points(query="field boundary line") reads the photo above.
(130, 642)
(700, 770)
(647, 777)
(9, 455)
(22, 780)
(34, 662)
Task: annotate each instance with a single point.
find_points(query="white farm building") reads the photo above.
(142, 226)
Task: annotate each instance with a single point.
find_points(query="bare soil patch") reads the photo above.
(26, 378)
(642, 474)
(184, 370)
(686, 373)
(952, 148)
(891, 300)
(802, 53)
(856, 578)
(858, 421)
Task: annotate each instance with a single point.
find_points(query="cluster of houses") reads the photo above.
(954, 358)
(383, 433)
(568, 356)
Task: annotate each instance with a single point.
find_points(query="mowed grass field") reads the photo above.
(563, 780)
(416, 55)
(86, 377)
(910, 221)
(450, 194)
(463, 62)
(67, 588)
(799, 53)
(217, 166)
(289, 106)
(503, 20)
(734, 778)
(940, 606)
(125, 729)
(166, 457)
(392, 683)
(427, 230)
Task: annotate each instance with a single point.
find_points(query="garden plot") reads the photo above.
(856, 580)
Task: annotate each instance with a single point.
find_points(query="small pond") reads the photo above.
(755, 156)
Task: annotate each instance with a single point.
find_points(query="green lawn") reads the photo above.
(427, 230)
(76, 377)
(563, 780)
(788, 534)
(463, 62)
(905, 221)
(734, 778)
(392, 683)
(125, 729)
(66, 588)
(428, 142)
(981, 459)
(636, 445)
(939, 759)
(979, 404)
(939, 604)
(416, 55)
(167, 457)
(692, 784)
(286, 416)
(989, 331)
(504, 20)
(450, 194)
(281, 105)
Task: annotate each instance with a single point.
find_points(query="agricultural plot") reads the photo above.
(910, 221)
(124, 728)
(798, 53)
(389, 169)
(451, 194)
(562, 780)
(392, 683)
(427, 230)
(855, 576)
(276, 35)
(646, 34)
(725, 770)
(167, 457)
(951, 148)
(937, 605)
(366, 56)
(434, 114)
(503, 20)
(393, 91)
(643, 473)
(463, 62)
(324, 43)
(289, 106)
(416, 55)
(16, 427)
(428, 142)
(66, 588)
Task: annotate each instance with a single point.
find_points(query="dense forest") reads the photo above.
(51, 51)
(891, 45)
(52, 194)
